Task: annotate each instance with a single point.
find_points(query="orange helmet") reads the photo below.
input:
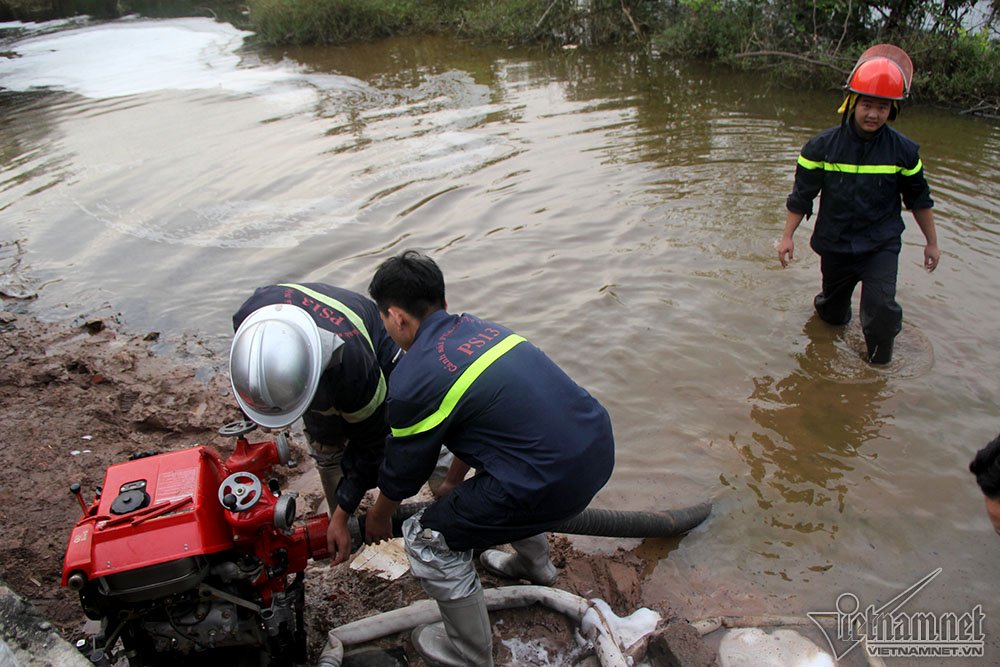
(883, 71)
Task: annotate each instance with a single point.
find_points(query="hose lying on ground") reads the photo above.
(606, 647)
(591, 521)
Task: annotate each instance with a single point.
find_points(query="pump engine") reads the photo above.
(190, 559)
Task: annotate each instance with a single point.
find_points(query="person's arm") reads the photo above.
(786, 247)
(925, 219)
(809, 177)
(456, 475)
(378, 521)
(338, 537)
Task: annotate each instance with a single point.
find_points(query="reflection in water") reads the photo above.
(813, 425)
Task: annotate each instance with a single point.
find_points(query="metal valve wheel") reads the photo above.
(237, 428)
(240, 491)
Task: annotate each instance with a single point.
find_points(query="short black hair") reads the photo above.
(410, 281)
(986, 468)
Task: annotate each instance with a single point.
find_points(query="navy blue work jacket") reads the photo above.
(862, 182)
(501, 406)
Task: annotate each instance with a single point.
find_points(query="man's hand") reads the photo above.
(786, 247)
(786, 251)
(378, 521)
(338, 537)
(925, 218)
(931, 256)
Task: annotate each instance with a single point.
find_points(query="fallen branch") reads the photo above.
(794, 56)
(545, 13)
(983, 108)
(628, 15)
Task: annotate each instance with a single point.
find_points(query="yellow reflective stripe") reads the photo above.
(809, 164)
(365, 412)
(333, 303)
(845, 168)
(462, 384)
(911, 172)
(369, 409)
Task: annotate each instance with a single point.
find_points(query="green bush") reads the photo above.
(816, 43)
(962, 71)
(327, 21)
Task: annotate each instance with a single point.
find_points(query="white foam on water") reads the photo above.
(420, 134)
(134, 56)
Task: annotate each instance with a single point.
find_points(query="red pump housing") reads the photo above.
(198, 550)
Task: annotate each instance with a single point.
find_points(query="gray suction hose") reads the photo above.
(591, 521)
(609, 653)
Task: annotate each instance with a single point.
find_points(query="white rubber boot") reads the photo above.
(531, 561)
(463, 638)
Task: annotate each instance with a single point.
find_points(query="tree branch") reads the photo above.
(794, 56)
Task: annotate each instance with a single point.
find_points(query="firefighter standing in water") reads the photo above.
(863, 168)
(321, 353)
(541, 445)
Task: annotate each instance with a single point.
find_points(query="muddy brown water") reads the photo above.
(620, 211)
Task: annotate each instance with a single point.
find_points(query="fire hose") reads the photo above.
(605, 645)
(592, 521)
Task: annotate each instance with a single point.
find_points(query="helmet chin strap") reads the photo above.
(333, 348)
(849, 102)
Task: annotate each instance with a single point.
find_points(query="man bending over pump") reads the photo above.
(541, 445)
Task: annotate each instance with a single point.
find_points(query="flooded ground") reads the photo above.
(621, 212)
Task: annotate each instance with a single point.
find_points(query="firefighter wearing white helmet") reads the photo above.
(277, 356)
(319, 353)
(867, 171)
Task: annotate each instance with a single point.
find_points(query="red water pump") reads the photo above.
(186, 556)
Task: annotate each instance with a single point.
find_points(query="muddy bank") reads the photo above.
(78, 397)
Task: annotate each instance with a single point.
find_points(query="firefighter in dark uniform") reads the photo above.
(541, 447)
(864, 169)
(321, 353)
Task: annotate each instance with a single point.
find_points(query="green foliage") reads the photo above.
(961, 70)
(511, 21)
(327, 21)
(818, 41)
(506, 21)
(707, 29)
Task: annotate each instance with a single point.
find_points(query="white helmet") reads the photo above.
(275, 363)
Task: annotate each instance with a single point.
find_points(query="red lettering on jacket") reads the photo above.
(322, 311)
(478, 341)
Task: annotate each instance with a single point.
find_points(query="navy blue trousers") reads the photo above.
(479, 514)
(881, 316)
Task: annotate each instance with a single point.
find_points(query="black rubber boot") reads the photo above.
(880, 353)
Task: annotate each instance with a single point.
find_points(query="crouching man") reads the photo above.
(541, 446)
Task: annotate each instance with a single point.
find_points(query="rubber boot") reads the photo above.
(463, 638)
(531, 561)
(880, 353)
